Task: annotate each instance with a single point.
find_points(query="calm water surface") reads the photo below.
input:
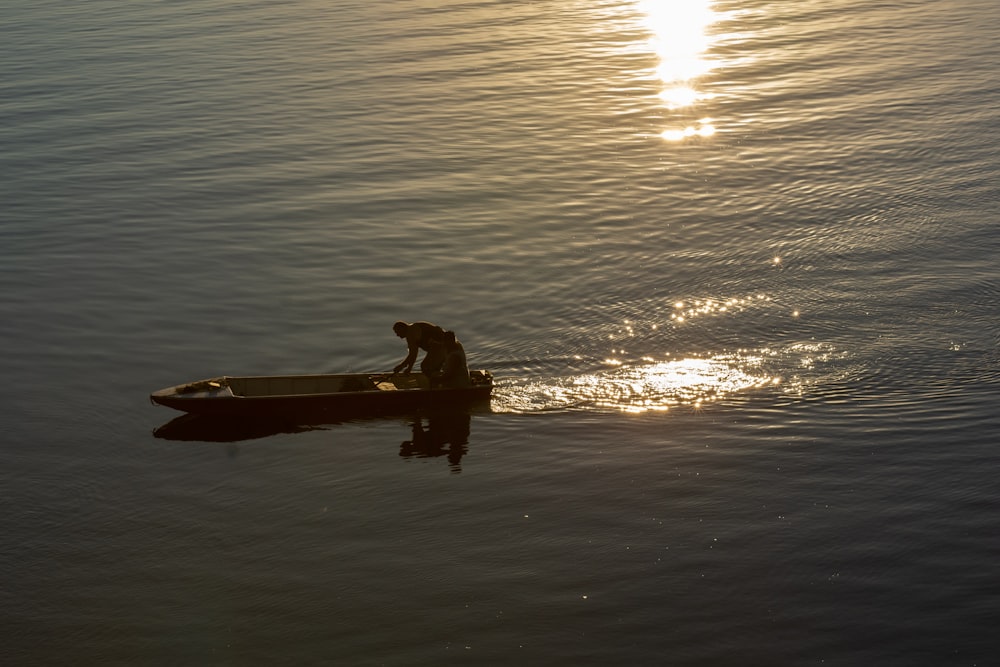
(733, 264)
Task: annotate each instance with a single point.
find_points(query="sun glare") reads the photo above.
(680, 39)
(655, 386)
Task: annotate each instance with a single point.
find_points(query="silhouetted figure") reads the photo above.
(421, 336)
(454, 372)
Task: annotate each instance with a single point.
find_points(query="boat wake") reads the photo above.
(651, 385)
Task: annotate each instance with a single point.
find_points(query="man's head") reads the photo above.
(401, 328)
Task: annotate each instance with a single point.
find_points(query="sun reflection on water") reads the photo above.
(660, 386)
(680, 38)
(686, 310)
(644, 387)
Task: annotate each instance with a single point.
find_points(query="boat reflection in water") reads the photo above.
(206, 428)
(442, 432)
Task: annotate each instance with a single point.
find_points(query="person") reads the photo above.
(454, 372)
(421, 335)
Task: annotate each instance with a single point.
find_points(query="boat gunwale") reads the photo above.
(175, 393)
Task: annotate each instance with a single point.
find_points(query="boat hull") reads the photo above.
(315, 396)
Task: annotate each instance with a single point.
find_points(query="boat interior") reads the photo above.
(297, 385)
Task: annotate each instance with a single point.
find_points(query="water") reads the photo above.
(732, 263)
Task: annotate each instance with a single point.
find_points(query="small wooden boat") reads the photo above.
(341, 395)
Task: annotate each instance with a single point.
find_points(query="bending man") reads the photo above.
(421, 336)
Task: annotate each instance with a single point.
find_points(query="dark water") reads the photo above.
(733, 264)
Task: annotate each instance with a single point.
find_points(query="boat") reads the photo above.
(336, 395)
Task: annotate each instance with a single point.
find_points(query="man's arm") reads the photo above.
(411, 357)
